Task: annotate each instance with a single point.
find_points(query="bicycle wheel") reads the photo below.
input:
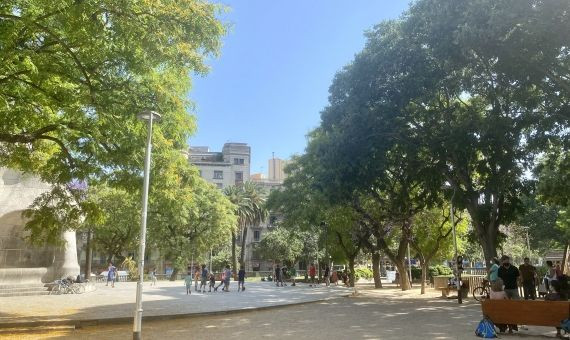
(479, 294)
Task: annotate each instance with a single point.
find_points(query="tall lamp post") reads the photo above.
(148, 116)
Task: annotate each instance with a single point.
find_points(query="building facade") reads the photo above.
(229, 167)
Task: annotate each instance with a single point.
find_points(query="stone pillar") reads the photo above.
(65, 262)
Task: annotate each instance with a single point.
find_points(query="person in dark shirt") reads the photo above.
(241, 279)
(509, 274)
(528, 274)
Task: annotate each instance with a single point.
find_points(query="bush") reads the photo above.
(440, 270)
(363, 273)
(416, 273)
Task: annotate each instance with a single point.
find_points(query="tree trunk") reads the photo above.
(351, 269)
(488, 240)
(425, 268)
(234, 258)
(376, 269)
(487, 234)
(174, 274)
(88, 256)
(404, 279)
(242, 250)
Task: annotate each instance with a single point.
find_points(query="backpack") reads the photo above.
(565, 325)
(486, 329)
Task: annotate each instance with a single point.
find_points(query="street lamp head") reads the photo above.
(147, 114)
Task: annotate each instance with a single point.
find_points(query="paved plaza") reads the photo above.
(167, 298)
(373, 314)
(384, 314)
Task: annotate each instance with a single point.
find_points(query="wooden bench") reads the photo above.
(526, 312)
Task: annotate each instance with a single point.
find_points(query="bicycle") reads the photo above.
(482, 292)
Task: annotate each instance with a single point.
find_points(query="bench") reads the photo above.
(526, 312)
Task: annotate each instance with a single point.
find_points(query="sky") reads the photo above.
(270, 82)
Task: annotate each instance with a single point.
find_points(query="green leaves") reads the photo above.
(74, 74)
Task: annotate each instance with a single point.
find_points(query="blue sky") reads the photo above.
(271, 80)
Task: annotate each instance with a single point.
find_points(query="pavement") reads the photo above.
(387, 314)
(166, 300)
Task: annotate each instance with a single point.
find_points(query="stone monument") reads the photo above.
(24, 268)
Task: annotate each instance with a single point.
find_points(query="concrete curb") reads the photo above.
(27, 326)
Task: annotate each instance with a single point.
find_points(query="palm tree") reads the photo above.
(249, 202)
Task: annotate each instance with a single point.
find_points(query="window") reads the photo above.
(239, 178)
(256, 235)
(239, 161)
(220, 185)
(218, 174)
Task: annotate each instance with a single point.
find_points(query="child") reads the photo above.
(241, 279)
(221, 282)
(188, 281)
(204, 279)
(196, 278)
(497, 293)
(212, 283)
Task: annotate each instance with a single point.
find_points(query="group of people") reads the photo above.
(206, 278)
(504, 279)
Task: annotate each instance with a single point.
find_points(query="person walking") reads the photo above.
(241, 279)
(551, 275)
(222, 281)
(284, 274)
(278, 276)
(196, 277)
(153, 277)
(494, 270)
(528, 274)
(509, 274)
(204, 279)
(312, 274)
(111, 275)
(327, 275)
(188, 282)
(227, 276)
(293, 275)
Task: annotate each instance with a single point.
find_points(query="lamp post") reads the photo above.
(148, 116)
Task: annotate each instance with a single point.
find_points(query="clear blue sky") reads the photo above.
(271, 80)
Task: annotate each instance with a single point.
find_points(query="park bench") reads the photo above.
(526, 312)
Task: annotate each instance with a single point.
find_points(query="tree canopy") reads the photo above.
(74, 75)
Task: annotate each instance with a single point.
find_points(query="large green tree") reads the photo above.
(74, 74)
(466, 91)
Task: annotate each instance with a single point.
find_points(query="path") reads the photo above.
(168, 298)
(387, 314)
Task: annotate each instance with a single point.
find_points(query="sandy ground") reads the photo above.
(372, 314)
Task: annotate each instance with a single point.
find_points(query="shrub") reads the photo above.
(416, 273)
(440, 270)
(363, 273)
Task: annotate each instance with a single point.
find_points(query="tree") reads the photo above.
(75, 73)
(115, 226)
(439, 87)
(249, 208)
(431, 237)
(281, 245)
